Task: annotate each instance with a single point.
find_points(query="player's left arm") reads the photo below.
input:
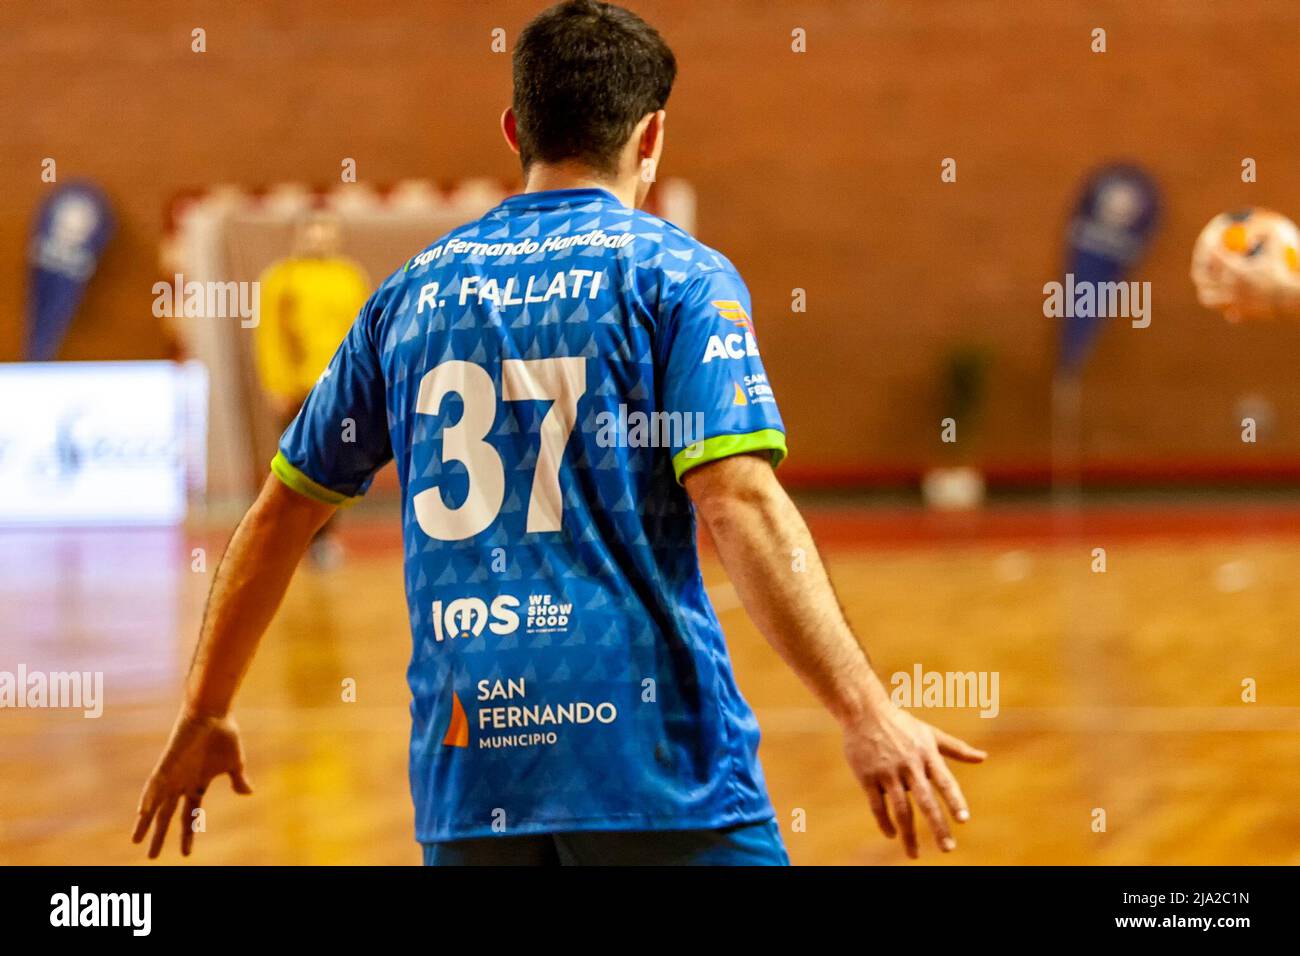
(713, 374)
(756, 528)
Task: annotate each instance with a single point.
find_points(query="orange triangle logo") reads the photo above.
(458, 730)
(740, 398)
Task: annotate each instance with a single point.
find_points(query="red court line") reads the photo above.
(1250, 470)
(1032, 524)
(839, 526)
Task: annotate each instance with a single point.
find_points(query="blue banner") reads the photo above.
(71, 229)
(1113, 222)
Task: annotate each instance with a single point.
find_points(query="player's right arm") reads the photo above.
(326, 458)
(249, 584)
(756, 529)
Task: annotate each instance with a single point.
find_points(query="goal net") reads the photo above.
(227, 235)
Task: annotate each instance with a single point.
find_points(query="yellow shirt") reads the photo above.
(306, 308)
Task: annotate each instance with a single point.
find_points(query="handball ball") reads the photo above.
(1244, 259)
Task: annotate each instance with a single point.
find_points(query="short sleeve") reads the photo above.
(339, 438)
(713, 376)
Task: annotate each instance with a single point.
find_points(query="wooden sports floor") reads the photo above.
(1119, 692)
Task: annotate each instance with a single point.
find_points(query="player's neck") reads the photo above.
(543, 177)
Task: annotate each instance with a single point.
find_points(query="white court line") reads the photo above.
(1140, 720)
(1245, 718)
(1110, 720)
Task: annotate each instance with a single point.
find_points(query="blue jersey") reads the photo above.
(543, 377)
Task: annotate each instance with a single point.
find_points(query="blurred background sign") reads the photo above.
(69, 233)
(101, 442)
(1114, 219)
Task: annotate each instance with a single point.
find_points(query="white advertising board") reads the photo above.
(100, 442)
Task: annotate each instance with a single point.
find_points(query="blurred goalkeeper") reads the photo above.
(307, 305)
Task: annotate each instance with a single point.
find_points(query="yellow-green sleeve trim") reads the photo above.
(724, 446)
(295, 479)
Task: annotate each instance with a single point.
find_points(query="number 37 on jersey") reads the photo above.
(561, 381)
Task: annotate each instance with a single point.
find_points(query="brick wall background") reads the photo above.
(817, 171)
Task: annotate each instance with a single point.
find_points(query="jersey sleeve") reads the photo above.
(340, 438)
(714, 377)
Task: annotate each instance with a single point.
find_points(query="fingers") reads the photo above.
(148, 807)
(157, 809)
(187, 824)
(877, 800)
(899, 759)
(239, 782)
(902, 811)
(160, 830)
(929, 807)
(947, 786)
(957, 748)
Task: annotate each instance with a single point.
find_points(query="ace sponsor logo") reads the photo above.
(733, 346)
(737, 345)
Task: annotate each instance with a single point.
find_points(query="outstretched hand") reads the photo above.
(200, 749)
(893, 753)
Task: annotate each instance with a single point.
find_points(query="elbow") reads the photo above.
(731, 495)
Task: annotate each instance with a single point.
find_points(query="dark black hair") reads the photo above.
(585, 73)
